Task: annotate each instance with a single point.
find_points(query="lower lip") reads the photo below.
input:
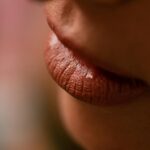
(86, 82)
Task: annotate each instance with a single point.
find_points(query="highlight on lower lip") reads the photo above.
(86, 82)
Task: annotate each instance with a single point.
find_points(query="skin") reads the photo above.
(115, 36)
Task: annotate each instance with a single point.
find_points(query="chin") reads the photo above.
(119, 127)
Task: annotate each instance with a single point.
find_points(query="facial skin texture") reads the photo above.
(116, 36)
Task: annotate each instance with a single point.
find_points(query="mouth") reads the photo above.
(87, 82)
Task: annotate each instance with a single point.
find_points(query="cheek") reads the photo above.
(117, 127)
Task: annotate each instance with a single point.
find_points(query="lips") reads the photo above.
(87, 82)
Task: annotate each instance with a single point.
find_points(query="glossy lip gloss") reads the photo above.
(86, 82)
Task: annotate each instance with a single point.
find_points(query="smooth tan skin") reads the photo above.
(115, 36)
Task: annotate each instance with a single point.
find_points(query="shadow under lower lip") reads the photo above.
(85, 82)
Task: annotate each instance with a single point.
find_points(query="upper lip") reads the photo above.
(70, 44)
(78, 49)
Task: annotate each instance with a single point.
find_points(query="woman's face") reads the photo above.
(114, 35)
